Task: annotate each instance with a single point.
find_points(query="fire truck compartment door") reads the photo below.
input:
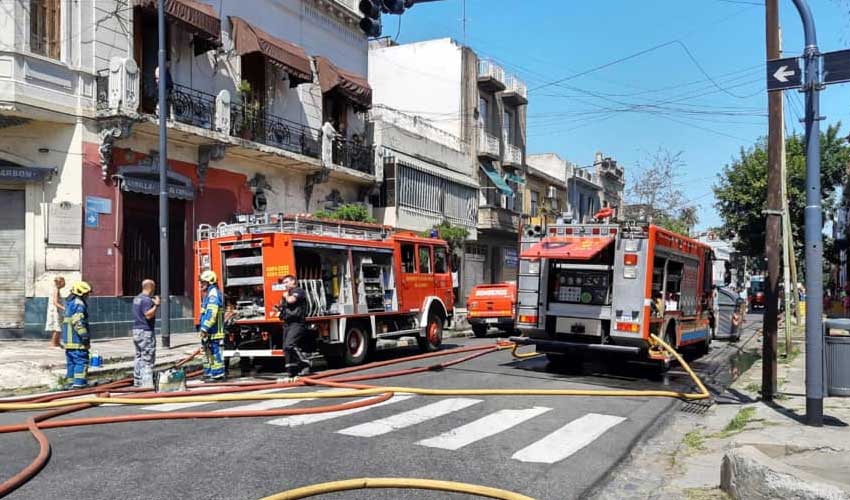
(572, 248)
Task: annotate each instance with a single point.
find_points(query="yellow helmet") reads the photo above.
(209, 277)
(81, 288)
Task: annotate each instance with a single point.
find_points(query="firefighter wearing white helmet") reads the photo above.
(75, 334)
(211, 327)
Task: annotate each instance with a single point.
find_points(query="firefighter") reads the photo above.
(75, 334)
(211, 327)
(293, 310)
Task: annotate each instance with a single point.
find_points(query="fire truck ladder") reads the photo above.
(267, 223)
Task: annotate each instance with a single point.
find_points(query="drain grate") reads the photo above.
(697, 407)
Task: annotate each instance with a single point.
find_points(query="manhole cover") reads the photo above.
(697, 407)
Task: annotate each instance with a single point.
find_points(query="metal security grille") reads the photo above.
(438, 196)
(12, 268)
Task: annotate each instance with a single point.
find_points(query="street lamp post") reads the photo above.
(165, 314)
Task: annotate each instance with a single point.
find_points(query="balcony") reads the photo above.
(488, 145)
(353, 155)
(516, 93)
(497, 219)
(256, 125)
(491, 76)
(513, 156)
(192, 107)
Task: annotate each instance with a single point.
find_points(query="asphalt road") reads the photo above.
(550, 448)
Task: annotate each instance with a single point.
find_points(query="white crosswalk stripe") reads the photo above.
(272, 404)
(482, 428)
(181, 406)
(568, 439)
(409, 418)
(298, 420)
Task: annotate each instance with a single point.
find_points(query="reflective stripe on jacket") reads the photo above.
(75, 326)
(212, 313)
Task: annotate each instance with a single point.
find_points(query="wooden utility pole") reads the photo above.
(773, 212)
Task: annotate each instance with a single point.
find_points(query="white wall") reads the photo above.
(420, 78)
(21, 145)
(549, 163)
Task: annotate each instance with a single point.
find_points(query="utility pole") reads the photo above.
(773, 213)
(165, 311)
(787, 247)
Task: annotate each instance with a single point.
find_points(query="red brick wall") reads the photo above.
(224, 194)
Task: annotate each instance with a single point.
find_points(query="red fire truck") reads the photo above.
(607, 286)
(368, 287)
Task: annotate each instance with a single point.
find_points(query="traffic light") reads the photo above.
(395, 6)
(371, 22)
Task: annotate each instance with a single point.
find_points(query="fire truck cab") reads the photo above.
(368, 287)
(606, 287)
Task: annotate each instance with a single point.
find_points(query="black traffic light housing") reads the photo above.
(371, 22)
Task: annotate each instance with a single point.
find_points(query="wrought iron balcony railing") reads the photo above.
(192, 107)
(488, 144)
(254, 124)
(354, 155)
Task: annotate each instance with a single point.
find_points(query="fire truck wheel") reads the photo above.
(356, 346)
(433, 334)
(479, 330)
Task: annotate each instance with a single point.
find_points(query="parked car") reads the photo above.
(491, 306)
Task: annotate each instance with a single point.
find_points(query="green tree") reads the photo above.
(453, 235)
(347, 211)
(741, 190)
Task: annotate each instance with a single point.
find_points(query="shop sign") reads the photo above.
(511, 259)
(24, 174)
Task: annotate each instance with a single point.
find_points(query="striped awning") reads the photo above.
(199, 17)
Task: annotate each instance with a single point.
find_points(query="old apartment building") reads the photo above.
(251, 87)
(472, 99)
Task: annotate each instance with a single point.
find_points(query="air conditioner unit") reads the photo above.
(552, 192)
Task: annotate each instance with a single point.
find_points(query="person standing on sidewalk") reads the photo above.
(75, 333)
(55, 311)
(211, 327)
(145, 306)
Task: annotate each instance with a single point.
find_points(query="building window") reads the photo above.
(483, 112)
(534, 201)
(508, 128)
(45, 28)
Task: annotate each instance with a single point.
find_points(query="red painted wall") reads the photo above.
(225, 193)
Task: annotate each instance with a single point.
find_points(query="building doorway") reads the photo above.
(141, 242)
(12, 270)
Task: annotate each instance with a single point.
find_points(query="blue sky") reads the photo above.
(705, 86)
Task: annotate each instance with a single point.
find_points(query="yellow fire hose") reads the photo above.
(396, 482)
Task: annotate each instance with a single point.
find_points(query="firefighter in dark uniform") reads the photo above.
(293, 311)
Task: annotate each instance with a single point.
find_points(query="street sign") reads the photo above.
(836, 66)
(98, 205)
(92, 219)
(783, 74)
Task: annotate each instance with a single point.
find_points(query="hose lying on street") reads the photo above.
(396, 482)
(228, 392)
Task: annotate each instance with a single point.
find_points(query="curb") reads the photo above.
(749, 474)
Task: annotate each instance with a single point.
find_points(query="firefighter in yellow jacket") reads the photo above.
(75, 334)
(211, 327)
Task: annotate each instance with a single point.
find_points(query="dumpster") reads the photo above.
(727, 314)
(837, 354)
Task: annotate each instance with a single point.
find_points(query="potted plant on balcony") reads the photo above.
(251, 111)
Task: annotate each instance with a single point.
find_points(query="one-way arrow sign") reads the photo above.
(784, 74)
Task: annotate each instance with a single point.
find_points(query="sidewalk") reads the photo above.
(741, 447)
(34, 364)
